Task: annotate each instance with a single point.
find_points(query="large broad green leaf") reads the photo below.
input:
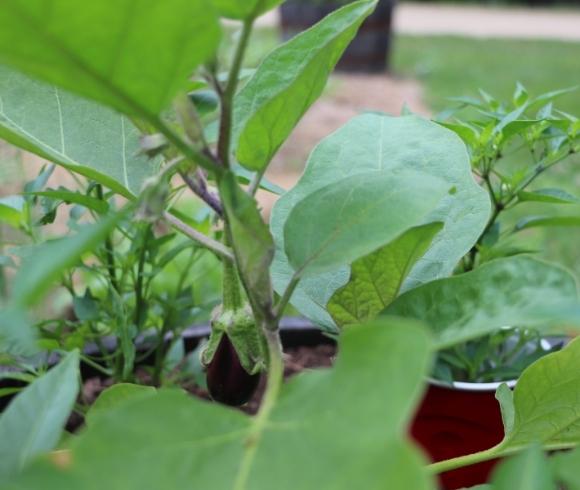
(253, 245)
(517, 291)
(33, 422)
(78, 134)
(528, 470)
(246, 9)
(545, 406)
(288, 81)
(133, 56)
(373, 142)
(375, 280)
(115, 396)
(344, 428)
(353, 217)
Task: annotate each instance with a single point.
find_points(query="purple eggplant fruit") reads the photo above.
(227, 381)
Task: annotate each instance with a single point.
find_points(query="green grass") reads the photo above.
(450, 66)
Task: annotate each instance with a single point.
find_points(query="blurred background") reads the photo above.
(415, 55)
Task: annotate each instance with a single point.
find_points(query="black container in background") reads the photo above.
(369, 50)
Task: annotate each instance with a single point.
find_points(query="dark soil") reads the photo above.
(296, 360)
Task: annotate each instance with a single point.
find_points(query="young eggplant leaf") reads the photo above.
(188, 443)
(132, 56)
(516, 291)
(353, 217)
(253, 244)
(544, 408)
(288, 82)
(375, 280)
(68, 197)
(528, 470)
(374, 142)
(32, 424)
(75, 133)
(244, 10)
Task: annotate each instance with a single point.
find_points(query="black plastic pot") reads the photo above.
(369, 50)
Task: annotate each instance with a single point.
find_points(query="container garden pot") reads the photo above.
(457, 420)
(368, 52)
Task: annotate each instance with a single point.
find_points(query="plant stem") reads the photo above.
(227, 97)
(275, 378)
(285, 299)
(109, 250)
(209, 243)
(232, 295)
(256, 181)
(461, 461)
(139, 303)
(198, 186)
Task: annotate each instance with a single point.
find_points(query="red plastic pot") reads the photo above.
(456, 421)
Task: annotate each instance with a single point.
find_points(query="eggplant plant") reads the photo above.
(381, 243)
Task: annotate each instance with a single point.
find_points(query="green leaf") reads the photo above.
(244, 10)
(11, 210)
(173, 441)
(466, 133)
(69, 197)
(565, 466)
(556, 196)
(116, 396)
(373, 142)
(376, 279)
(80, 135)
(542, 221)
(529, 470)
(517, 291)
(353, 217)
(544, 403)
(33, 422)
(253, 244)
(42, 268)
(133, 56)
(288, 81)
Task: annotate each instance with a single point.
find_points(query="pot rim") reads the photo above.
(477, 387)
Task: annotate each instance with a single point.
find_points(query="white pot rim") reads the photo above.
(479, 387)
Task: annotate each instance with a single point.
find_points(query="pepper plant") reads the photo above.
(386, 209)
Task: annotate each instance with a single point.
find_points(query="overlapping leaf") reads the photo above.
(389, 145)
(33, 422)
(516, 291)
(376, 279)
(131, 55)
(288, 81)
(78, 134)
(173, 441)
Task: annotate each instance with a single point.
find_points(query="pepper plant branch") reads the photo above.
(227, 96)
(209, 243)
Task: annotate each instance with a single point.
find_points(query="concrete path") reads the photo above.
(479, 21)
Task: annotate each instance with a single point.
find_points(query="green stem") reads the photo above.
(227, 97)
(139, 300)
(109, 249)
(232, 294)
(260, 421)
(216, 247)
(285, 299)
(461, 461)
